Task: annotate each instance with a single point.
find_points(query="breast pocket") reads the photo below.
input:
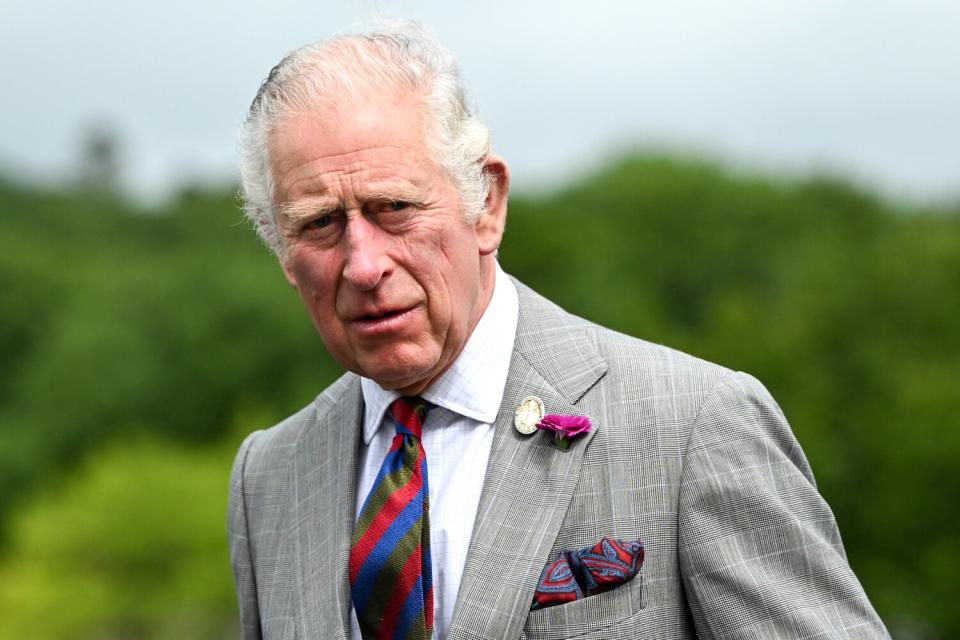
(592, 615)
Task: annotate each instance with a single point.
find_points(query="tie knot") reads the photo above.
(408, 414)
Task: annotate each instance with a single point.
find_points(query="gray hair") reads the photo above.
(398, 55)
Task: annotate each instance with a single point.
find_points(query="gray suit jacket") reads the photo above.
(695, 460)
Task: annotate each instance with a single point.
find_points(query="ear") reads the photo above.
(489, 226)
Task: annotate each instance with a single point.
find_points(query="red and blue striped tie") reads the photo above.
(390, 571)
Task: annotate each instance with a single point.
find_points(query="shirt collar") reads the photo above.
(473, 385)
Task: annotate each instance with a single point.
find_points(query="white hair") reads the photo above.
(399, 55)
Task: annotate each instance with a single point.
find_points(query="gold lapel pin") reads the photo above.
(528, 414)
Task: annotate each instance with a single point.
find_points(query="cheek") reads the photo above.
(457, 273)
(312, 278)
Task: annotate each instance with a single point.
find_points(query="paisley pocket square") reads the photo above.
(577, 574)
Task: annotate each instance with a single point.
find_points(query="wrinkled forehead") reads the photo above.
(362, 120)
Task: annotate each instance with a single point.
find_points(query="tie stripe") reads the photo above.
(390, 568)
(395, 511)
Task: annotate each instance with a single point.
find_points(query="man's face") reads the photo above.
(391, 274)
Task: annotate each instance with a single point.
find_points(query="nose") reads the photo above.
(365, 263)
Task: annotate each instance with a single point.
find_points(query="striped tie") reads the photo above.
(390, 572)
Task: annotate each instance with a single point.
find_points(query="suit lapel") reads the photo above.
(529, 482)
(323, 487)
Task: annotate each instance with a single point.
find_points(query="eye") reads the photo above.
(391, 212)
(387, 205)
(397, 205)
(324, 228)
(319, 223)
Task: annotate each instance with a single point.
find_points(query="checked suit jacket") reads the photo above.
(695, 460)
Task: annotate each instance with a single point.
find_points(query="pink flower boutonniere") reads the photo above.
(564, 428)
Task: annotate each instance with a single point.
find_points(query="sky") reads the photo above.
(866, 89)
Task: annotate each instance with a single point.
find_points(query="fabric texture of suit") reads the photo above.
(695, 460)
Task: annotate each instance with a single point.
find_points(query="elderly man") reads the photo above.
(423, 494)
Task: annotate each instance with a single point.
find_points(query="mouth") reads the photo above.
(380, 322)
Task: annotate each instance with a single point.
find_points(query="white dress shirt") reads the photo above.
(457, 436)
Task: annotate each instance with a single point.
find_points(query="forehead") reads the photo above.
(381, 134)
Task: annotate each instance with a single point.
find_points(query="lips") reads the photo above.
(382, 321)
(378, 315)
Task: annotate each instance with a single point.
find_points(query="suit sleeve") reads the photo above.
(760, 552)
(241, 558)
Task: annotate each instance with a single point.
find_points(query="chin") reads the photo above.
(397, 372)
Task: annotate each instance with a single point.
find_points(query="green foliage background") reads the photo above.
(139, 346)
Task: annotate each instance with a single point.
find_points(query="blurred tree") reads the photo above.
(129, 545)
(100, 163)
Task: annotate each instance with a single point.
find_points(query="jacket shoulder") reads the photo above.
(641, 376)
(269, 449)
(657, 364)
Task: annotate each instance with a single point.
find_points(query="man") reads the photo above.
(368, 176)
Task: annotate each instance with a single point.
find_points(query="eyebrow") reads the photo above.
(296, 211)
(306, 209)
